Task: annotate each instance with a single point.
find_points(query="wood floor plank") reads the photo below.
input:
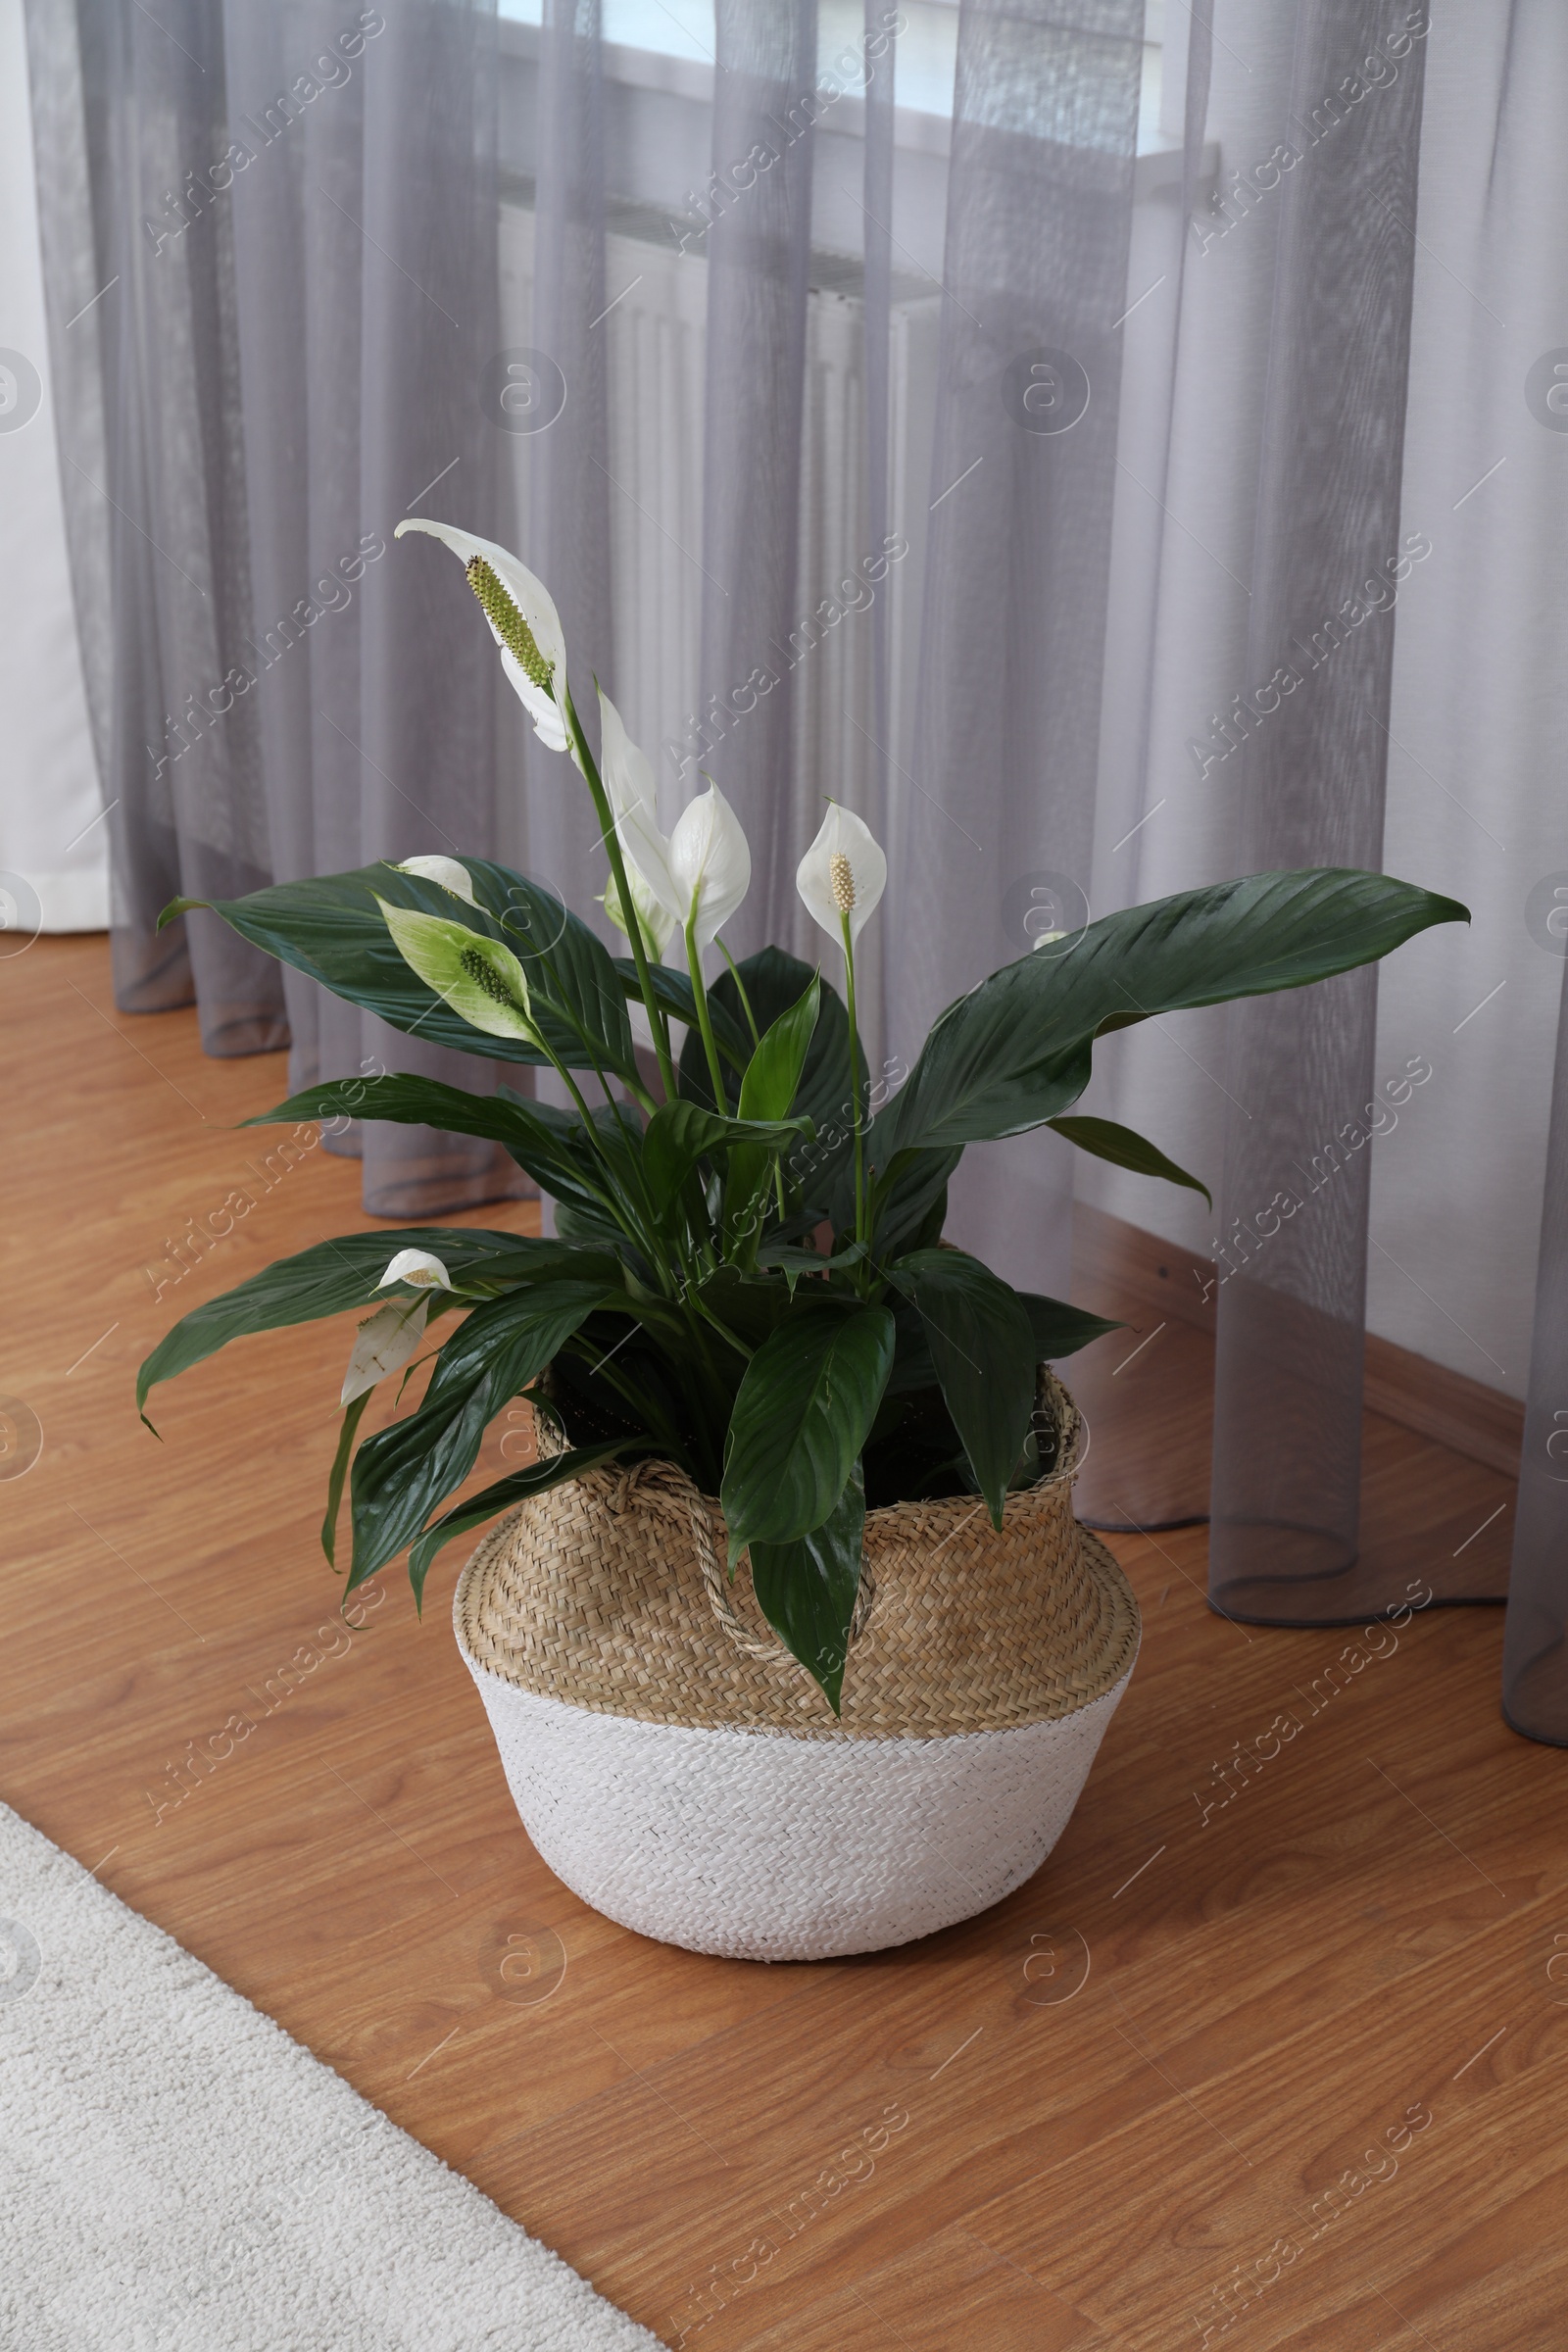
(1312, 1881)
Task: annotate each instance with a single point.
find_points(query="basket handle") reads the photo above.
(715, 1583)
(717, 1586)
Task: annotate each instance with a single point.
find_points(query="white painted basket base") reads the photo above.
(762, 1846)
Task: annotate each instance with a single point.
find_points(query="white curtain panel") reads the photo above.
(54, 862)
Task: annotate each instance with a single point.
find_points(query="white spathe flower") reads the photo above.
(536, 605)
(386, 1340)
(479, 977)
(655, 923)
(445, 870)
(629, 779)
(844, 873)
(419, 1267)
(701, 872)
(628, 772)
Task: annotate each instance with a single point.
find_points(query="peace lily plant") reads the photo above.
(748, 1276)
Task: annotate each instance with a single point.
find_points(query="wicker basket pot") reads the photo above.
(682, 1774)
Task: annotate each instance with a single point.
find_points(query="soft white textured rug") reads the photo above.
(178, 2176)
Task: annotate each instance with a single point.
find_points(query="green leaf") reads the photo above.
(584, 1222)
(681, 1133)
(773, 1073)
(550, 1144)
(335, 1275)
(792, 1263)
(1061, 1330)
(982, 1345)
(767, 1090)
(331, 927)
(928, 1232)
(522, 1484)
(1016, 1051)
(774, 985)
(809, 1395)
(403, 1472)
(353, 1415)
(903, 1199)
(179, 907)
(1125, 1150)
(513, 1337)
(807, 1588)
(746, 1304)
(568, 965)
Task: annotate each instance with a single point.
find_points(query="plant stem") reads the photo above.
(658, 1026)
(693, 966)
(756, 1039)
(861, 1233)
(740, 986)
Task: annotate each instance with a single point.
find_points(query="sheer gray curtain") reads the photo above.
(1535, 1664)
(569, 477)
(1342, 513)
(1288, 1382)
(759, 255)
(1023, 485)
(262, 223)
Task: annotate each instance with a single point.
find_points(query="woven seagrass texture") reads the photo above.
(595, 1594)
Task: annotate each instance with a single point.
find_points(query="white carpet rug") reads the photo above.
(178, 2176)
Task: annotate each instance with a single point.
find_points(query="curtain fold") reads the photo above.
(765, 104)
(880, 53)
(282, 216)
(1021, 490)
(1328, 559)
(569, 485)
(1535, 1655)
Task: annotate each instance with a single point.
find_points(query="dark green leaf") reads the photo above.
(331, 927)
(773, 1073)
(807, 1399)
(790, 1260)
(403, 1472)
(928, 1232)
(409, 1102)
(537, 1479)
(513, 1336)
(567, 966)
(619, 1133)
(774, 984)
(807, 1588)
(903, 1199)
(353, 1415)
(767, 1090)
(982, 1343)
(335, 1275)
(1125, 1150)
(681, 1133)
(582, 1222)
(550, 1144)
(746, 1304)
(1015, 1052)
(1061, 1330)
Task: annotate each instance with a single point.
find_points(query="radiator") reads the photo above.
(656, 365)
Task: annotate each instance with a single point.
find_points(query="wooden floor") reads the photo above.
(1276, 2055)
